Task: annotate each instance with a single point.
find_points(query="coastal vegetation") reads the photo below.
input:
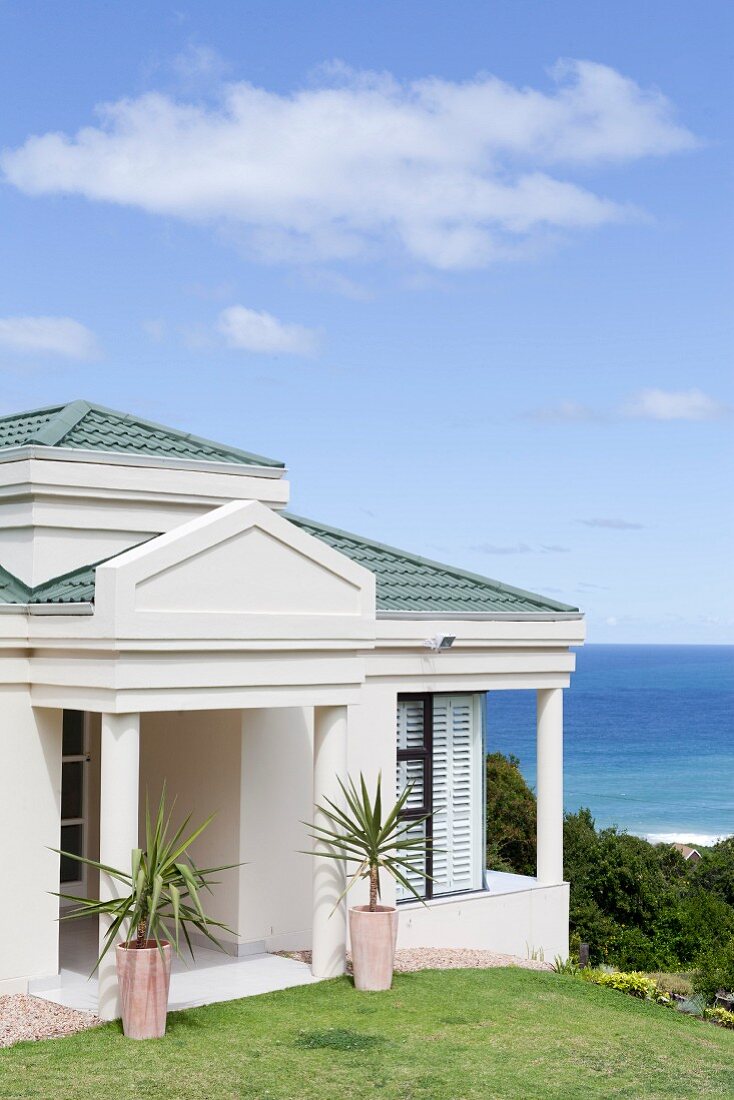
(437, 1035)
(639, 906)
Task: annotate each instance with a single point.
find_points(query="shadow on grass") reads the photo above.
(337, 1038)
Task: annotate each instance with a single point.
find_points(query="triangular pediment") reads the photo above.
(240, 569)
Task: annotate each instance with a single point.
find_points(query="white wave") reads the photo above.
(703, 840)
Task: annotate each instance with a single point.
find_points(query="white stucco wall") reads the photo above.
(198, 755)
(529, 923)
(59, 514)
(276, 775)
(30, 801)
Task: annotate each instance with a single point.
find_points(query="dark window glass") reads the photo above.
(72, 743)
(414, 768)
(412, 773)
(72, 786)
(71, 841)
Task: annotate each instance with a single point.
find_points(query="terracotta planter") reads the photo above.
(373, 938)
(144, 977)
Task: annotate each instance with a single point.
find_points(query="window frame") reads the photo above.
(425, 756)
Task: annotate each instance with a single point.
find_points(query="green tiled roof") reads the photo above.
(406, 582)
(74, 587)
(11, 589)
(83, 426)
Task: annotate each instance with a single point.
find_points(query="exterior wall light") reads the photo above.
(440, 642)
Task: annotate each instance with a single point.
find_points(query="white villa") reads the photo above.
(162, 617)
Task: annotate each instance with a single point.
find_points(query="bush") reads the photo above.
(680, 984)
(639, 906)
(715, 971)
(715, 871)
(720, 1016)
(633, 983)
(634, 950)
(511, 817)
(696, 925)
(566, 966)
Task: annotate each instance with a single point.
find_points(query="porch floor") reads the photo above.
(213, 976)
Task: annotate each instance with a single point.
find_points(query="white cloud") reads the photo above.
(47, 335)
(251, 330)
(456, 175)
(649, 404)
(334, 282)
(195, 62)
(612, 524)
(692, 404)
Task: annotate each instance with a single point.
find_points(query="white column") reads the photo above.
(329, 942)
(550, 785)
(118, 830)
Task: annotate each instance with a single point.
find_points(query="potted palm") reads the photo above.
(160, 899)
(363, 833)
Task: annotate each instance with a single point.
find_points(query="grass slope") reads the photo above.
(456, 1035)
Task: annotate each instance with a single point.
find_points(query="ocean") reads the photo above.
(649, 738)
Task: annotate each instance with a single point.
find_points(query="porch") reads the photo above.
(262, 769)
(213, 976)
(259, 770)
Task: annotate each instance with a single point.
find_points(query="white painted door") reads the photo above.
(74, 800)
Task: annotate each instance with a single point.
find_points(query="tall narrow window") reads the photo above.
(415, 724)
(440, 753)
(73, 800)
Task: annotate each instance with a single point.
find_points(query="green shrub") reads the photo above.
(633, 983)
(720, 1016)
(672, 983)
(698, 923)
(715, 871)
(633, 950)
(639, 906)
(511, 817)
(566, 966)
(715, 970)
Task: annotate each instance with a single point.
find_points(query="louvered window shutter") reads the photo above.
(457, 794)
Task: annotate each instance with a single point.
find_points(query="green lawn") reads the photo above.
(436, 1036)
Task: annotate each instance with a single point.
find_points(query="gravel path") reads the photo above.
(23, 1017)
(442, 958)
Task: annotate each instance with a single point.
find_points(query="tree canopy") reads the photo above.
(638, 905)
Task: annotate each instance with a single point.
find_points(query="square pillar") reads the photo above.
(118, 831)
(329, 926)
(550, 786)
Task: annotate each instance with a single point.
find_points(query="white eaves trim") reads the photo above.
(131, 458)
(46, 608)
(483, 616)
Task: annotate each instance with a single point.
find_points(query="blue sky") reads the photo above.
(466, 268)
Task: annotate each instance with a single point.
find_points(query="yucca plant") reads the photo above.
(161, 896)
(364, 833)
